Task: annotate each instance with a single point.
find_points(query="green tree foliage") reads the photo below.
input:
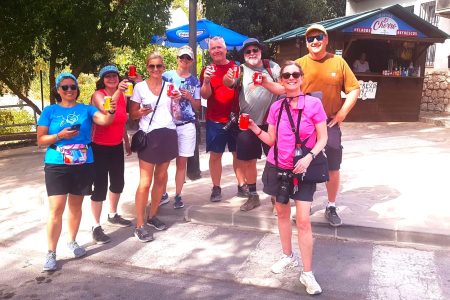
(11, 117)
(79, 35)
(264, 19)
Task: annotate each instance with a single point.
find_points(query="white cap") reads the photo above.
(186, 50)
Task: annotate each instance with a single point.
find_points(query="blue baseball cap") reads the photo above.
(108, 69)
(64, 75)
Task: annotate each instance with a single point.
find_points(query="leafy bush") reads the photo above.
(15, 116)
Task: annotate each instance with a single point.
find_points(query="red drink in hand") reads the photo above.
(243, 121)
(257, 78)
(132, 71)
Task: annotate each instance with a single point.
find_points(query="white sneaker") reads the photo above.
(284, 262)
(309, 281)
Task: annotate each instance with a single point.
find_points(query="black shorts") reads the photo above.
(271, 183)
(334, 157)
(162, 146)
(64, 179)
(108, 161)
(333, 149)
(248, 145)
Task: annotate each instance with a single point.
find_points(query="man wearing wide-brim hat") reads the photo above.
(254, 100)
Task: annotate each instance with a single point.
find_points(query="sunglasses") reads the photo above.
(158, 66)
(72, 87)
(311, 38)
(288, 75)
(254, 50)
(185, 56)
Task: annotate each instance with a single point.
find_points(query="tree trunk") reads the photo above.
(51, 71)
(21, 96)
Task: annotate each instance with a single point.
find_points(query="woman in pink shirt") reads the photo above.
(281, 138)
(108, 147)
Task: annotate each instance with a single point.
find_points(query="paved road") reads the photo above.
(193, 261)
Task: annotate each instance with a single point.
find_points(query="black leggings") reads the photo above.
(108, 159)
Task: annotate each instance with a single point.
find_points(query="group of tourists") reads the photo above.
(296, 131)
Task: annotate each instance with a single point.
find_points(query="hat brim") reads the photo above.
(109, 72)
(251, 44)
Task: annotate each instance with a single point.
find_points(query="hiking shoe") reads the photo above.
(242, 191)
(76, 249)
(164, 199)
(284, 262)
(178, 202)
(143, 235)
(117, 220)
(309, 281)
(332, 216)
(251, 203)
(156, 223)
(99, 236)
(216, 194)
(50, 261)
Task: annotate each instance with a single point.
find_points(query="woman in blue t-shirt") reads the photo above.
(65, 128)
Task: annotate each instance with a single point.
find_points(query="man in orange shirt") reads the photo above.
(329, 74)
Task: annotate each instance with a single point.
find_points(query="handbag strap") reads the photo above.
(156, 106)
(295, 130)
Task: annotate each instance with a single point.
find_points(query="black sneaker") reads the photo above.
(242, 191)
(216, 194)
(155, 222)
(117, 220)
(99, 236)
(143, 235)
(178, 202)
(332, 216)
(164, 199)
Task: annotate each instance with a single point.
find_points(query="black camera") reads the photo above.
(284, 189)
(232, 123)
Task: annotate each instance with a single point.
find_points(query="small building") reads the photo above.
(436, 12)
(395, 42)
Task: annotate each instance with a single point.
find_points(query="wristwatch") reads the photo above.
(312, 154)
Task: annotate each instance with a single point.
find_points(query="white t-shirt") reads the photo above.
(359, 67)
(163, 117)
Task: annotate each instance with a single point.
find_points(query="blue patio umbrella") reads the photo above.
(179, 36)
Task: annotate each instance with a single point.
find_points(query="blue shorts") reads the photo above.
(217, 138)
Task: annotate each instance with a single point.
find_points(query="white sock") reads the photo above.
(95, 226)
(333, 204)
(310, 273)
(112, 215)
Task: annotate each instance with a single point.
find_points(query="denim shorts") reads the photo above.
(217, 138)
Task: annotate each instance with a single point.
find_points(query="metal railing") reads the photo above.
(22, 135)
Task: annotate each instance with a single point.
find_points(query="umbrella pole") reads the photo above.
(193, 163)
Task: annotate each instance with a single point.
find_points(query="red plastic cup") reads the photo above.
(132, 71)
(170, 90)
(235, 71)
(243, 121)
(257, 78)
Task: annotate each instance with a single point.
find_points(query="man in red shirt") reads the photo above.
(220, 101)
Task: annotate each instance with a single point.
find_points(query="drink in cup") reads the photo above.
(129, 90)
(235, 71)
(132, 71)
(107, 103)
(243, 121)
(257, 78)
(170, 90)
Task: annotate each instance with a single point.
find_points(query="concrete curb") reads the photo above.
(265, 221)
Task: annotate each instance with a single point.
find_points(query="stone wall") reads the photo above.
(436, 91)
